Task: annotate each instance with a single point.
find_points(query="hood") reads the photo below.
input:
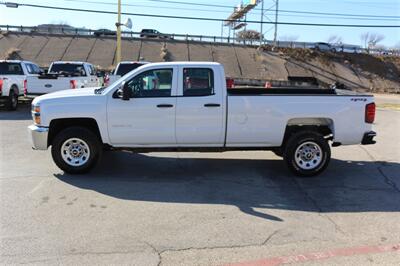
(71, 93)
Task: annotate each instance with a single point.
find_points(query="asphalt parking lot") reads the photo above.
(242, 208)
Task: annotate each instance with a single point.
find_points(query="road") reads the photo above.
(241, 208)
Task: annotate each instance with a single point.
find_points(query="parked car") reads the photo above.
(123, 68)
(104, 32)
(62, 75)
(13, 80)
(324, 47)
(151, 33)
(153, 108)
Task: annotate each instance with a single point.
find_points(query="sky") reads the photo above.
(28, 16)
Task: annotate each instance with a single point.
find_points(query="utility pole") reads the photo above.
(262, 22)
(118, 24)
(276, 20)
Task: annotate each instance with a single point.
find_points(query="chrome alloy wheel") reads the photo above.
(308, 155)
(75, 152)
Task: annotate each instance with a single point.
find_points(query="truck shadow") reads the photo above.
(254, 186)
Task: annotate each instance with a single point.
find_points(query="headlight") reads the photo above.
(36, 114)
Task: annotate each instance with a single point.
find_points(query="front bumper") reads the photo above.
(369, 138)
(38, 137)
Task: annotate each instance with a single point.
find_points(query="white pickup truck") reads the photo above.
(63, 75)
(13, 75)
(122, 69)
(185, 106)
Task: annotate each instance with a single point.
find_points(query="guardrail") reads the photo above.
(190, 37)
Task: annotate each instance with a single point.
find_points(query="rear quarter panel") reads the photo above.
(262, 120)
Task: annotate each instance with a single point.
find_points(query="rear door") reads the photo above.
(200, 108)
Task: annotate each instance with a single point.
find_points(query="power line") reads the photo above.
(231, 7)
(207, 19)
(285, 11)
(221, 11)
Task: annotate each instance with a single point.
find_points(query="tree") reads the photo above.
(334, 39)
(364, 38)
(370, 40)
(248, 35)
(374, 39)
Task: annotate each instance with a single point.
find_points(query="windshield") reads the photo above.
(76, 69)
(126, 68)
(11, 69)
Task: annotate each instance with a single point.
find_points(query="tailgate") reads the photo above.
(38, 86)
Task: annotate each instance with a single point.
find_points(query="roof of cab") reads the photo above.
(16, 61)
(71, 62)
(134, 62)
(186, 63)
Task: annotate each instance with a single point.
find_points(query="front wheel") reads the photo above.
(307, 153)
(76, 150)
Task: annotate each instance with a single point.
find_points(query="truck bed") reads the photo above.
(293, 91)
(281, 90)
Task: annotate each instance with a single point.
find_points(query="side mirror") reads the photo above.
(126, 91)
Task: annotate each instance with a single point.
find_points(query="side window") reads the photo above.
(198, 82)
(152, 83)
(37, 69)
(91, 71)
(32, 69)
(29, 68)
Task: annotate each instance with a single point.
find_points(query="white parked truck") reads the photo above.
(185, 106)
(122, 69)
(63, 75)
(13, 80)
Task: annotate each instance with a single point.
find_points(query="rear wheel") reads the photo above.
(307, 153)
(12, 101)
(76, 150)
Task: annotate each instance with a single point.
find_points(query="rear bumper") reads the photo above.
(38, 137)
(368, 138)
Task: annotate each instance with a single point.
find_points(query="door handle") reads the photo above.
(212, 105)
(165, 106)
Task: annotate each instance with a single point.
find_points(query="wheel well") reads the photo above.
(57, 125)
(323, 126)
(14, 87)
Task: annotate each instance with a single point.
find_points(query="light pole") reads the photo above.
(127, 24)
(118, 24)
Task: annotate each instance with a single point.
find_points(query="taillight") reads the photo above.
(73, 84)
(25, 87)
(230, 83)
(370, 113)
(1, 85)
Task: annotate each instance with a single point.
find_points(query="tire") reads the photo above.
(307, 153)
(76, 150)
(12, 101)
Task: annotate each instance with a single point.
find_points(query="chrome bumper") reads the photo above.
(38, 137)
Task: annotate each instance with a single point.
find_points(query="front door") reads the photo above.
(148, 118)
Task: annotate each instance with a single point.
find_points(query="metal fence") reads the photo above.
(190, 37)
